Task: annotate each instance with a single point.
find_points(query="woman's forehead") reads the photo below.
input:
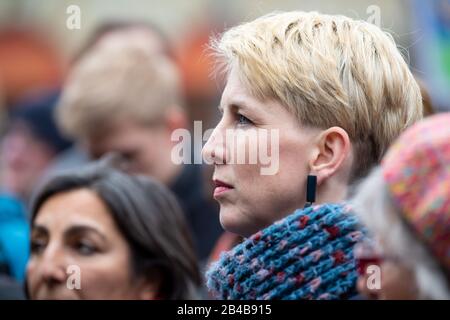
(81, 207)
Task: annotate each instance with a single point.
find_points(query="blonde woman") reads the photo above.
(336, 91)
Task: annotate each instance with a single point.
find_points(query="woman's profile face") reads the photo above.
(78, 252)
(249, 197)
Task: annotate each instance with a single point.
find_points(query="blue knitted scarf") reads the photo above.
(307, 255)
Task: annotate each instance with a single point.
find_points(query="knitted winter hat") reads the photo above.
(417, 172)
(307, 255)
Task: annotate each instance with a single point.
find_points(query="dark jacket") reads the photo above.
(201, 212)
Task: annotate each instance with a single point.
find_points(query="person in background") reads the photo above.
(76, 155)
(405, 203)
(125, 234)
(124, 96)
(30, 145)
(146, 33)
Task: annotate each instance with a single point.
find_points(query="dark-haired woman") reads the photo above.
(99, 233)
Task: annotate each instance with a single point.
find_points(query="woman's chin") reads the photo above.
(57, 296)
(234, 222)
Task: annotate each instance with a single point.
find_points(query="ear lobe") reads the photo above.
(333, 147)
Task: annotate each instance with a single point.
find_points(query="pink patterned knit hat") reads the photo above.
(417, 172)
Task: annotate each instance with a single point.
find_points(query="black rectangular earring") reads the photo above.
(311, 185)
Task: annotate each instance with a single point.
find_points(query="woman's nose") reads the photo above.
(52, 266)
(213, 151)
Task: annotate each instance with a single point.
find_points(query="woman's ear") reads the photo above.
(332, 149)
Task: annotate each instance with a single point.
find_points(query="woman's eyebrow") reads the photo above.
(39, 229)
(82, 229)
(239, 104)
(236, 105)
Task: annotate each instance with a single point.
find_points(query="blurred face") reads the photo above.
(146, 149)
(395, 280)
(141, 36)
(74, 230)
(250, 200)
(25, 160)
(397, 283)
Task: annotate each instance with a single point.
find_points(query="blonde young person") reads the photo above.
(337, 92)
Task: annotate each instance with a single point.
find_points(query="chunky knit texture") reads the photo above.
(307, 255)
(417, 172)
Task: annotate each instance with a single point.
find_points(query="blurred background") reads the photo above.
(37, 48)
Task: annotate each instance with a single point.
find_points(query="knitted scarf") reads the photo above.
(307, 255)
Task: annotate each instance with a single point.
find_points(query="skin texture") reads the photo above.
(146, 149)
(76, 228)
(397, 280)
(397, 283)
(25, 159)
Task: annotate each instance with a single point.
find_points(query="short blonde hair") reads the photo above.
(328, 71)
(116, 80)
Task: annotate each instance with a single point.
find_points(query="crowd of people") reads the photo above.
(358, 208)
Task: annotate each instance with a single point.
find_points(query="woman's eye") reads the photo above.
(85, 249)
(242, 120)
(37, 246)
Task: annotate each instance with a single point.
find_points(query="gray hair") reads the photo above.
(373, 204)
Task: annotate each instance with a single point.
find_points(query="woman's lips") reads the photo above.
(221, 188)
